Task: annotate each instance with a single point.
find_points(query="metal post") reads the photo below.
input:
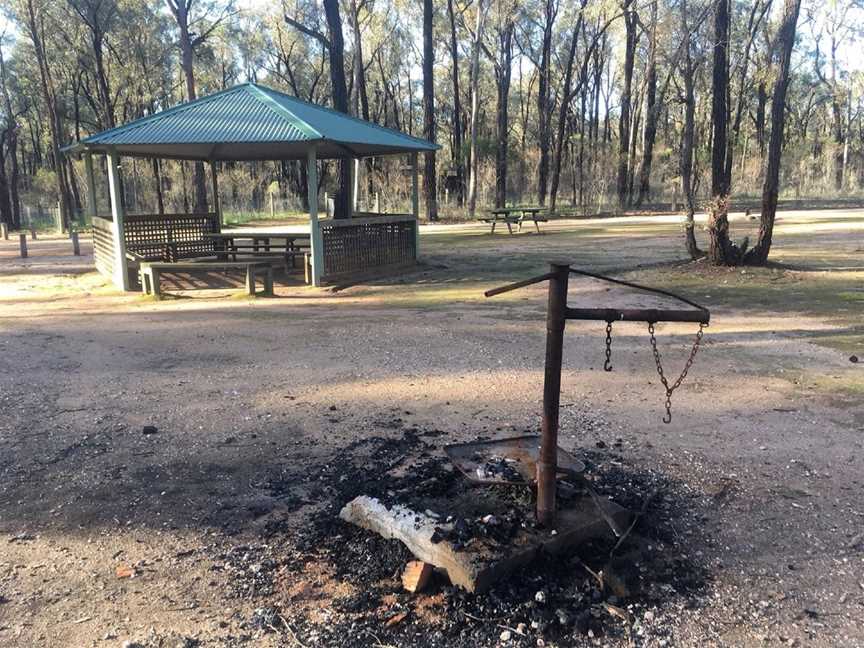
(547, 464)
(315, 241)
(415, 205)
(217, 202)
(22, 241)
(121, 273)
(76, 249)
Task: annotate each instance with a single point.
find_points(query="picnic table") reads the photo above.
(289, 244)
(517, 215)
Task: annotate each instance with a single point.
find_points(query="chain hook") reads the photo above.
(607, 366)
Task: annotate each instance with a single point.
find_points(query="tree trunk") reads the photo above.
(630, 23)
(339, 88)
(786, 41)
(544, 109)
(563, 110)
(720, 249)
(651, 110)
(429, 180)
(503, 73)
(761, 101)
(688, 137)
(475, 106)
(12, 139)
(181, 15)
(35, 26)
(157, 176)
(457, 111)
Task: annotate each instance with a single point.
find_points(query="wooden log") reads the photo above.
(22, 241)
(476, 567)
(416, 576)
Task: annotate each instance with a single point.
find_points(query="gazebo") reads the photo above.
(244, 123)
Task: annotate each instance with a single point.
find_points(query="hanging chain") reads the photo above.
(607, 366)
(687, 365)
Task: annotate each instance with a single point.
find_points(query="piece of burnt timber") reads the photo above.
(547, 465)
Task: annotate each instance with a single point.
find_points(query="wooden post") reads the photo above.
(355, 185)
(315, 241)
(4, 230)
(91, 186)
(377, 203)
(58, 220)
(76, 249)
(415, 205)
(22, 241)
(217, 202)
(121, 272)
(272, 206)
(33, 232)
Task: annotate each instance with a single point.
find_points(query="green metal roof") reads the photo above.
(250, 122)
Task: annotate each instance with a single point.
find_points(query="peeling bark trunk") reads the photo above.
(786, 40)
(544, 109)
(457, 110)
(503, 73)
(429, 179)
(630, 23)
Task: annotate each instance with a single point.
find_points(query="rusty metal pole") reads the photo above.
(547, 466)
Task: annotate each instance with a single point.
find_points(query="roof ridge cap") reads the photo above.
(372, 124)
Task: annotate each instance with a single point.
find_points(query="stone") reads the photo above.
(505, 636)
(150, 429)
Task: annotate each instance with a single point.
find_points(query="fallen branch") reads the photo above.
(636, 519)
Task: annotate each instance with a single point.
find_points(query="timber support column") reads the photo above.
(121, 270)
(316, 243)
(415, 205)
(547, 464)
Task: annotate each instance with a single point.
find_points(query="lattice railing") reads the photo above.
(362, 246)
(168, 237)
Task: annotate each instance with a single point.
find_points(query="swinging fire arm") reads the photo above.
(557, 315)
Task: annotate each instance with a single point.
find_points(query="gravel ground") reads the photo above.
(216, 529)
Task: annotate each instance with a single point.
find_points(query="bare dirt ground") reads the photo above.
(760, 473)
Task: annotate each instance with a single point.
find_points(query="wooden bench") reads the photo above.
(150, 273)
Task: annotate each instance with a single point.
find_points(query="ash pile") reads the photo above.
(379, 579)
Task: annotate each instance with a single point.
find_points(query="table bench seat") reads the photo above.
(151, 273)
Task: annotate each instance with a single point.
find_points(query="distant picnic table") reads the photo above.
(516, 215)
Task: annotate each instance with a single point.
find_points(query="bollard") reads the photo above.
(22, 241)
(4, 229)
(76, 250)
(32, 232)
